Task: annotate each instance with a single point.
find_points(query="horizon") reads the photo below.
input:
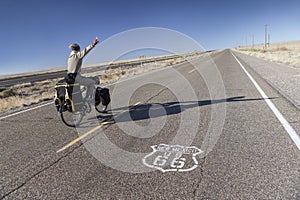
(36, 35)
(130, 58)
(104, 62)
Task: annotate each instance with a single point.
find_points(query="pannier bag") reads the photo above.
(68, 96)
(102, 95)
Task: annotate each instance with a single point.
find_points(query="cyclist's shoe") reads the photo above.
(104, 110)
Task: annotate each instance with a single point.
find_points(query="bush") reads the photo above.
(2, 89)
(282, 49)
(8, 93)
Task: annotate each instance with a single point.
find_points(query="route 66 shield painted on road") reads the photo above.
(172, 158)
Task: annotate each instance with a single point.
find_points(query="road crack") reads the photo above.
(198, 184)
(24, 180)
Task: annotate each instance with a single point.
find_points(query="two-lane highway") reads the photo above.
(192, 131)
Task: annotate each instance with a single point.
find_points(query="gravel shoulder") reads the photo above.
(283, 77)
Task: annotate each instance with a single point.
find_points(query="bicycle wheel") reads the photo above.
(71, 119)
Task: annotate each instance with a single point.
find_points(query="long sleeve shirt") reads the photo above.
(75, 59)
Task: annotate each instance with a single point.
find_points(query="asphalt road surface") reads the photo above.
(199, 130)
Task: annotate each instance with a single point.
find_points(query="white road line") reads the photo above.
(292, 133)
(23, 111)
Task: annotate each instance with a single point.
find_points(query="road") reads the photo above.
(210, 104)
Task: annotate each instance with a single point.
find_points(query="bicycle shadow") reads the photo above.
(142, 111)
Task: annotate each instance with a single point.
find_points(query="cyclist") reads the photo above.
(74, 67)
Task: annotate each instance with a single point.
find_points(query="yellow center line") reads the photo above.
(192, 71)
(90, 132)
(79, 138)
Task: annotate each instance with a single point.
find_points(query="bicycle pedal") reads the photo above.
(89, 108)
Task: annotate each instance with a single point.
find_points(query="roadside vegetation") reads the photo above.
(285, 53)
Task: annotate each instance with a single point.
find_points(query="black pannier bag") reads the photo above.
(61, 90)
(68, 96)
(102, 95)
(60, 95)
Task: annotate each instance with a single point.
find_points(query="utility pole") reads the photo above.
(269, 40)
(252, 41)
(266, 35)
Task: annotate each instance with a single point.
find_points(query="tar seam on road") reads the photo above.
(90, 132)
(292, 133)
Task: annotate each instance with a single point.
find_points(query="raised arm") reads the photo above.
(88, 48)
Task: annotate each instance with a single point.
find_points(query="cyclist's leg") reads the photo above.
(89, 83)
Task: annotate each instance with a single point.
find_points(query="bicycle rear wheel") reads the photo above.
(101, 109)
(71, 119)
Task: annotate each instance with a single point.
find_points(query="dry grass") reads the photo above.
(26, 94)
(11, 103)
(286, 53)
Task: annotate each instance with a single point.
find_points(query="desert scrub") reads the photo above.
(2, 89)
(26, 94)
(11, 103)
(8, 93)
(282, 49)
(254, 50)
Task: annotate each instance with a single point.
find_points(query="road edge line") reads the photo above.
(289, 129)
(26, 110)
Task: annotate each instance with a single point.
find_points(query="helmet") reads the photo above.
(74, 46)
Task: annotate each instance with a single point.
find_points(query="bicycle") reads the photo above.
(71, 104)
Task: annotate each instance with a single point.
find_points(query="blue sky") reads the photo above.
(35, 34)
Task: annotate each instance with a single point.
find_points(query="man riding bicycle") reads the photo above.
(74, 67)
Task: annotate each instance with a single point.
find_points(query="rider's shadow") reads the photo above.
(155, 110)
